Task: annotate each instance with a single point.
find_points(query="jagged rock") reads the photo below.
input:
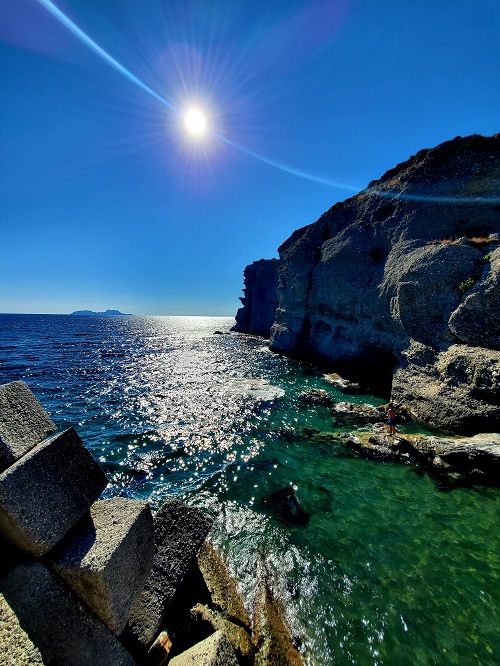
(261, 300)
(16, 647)
(47, 491)
(382, 272)
(457, 390)
(316, 397)
(223, 593)
(61, 626)
(272, 637)
(287, 507)
(180, 531)
(24, 423)
(213, 651)
(107, 557)
(476, 321)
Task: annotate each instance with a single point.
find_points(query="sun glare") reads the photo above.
(195, 122)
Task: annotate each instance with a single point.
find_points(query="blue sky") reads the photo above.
(106, 202)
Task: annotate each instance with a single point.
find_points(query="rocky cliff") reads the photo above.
(399, 286)
(261, 299)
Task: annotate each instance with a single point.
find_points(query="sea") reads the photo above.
(393, 566)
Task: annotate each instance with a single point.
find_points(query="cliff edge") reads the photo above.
(399, 286)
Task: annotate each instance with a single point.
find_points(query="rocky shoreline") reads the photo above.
(85, 581)
(398, 287)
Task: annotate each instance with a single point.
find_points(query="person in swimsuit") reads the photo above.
(391, 418)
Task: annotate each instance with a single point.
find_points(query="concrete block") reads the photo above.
(24, 423)
(180, 531)
(16, 648)
(107, 556)
(213, 651)
(65, 631)
(47, 491)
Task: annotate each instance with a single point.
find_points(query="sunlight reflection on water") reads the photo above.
(389, 569)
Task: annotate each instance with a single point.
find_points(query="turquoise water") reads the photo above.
(393, 567)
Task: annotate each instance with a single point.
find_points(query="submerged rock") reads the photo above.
(316, 397)
(287, 508)
(258, 390)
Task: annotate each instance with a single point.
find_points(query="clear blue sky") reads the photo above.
(106, 202)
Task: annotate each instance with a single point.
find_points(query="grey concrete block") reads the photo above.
(47, 491)
(213, 651)
(24, 423)
(180, 531)
(65, 631)
(16, 648)
(107, 556)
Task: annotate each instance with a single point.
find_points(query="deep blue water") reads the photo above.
(391, 568)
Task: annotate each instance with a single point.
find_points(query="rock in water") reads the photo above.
(287, 508)
(406, 275)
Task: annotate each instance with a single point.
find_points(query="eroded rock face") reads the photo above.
(412, 262)
(261, 299)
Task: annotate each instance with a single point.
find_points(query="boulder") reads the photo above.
(213, 651)
(344, 385)
(24, 423)
(261, 299)
(16, 647)
(107, 557)
(180, 531)
(61, 626)
(47, 491)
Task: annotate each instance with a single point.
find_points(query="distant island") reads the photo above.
(108, 313)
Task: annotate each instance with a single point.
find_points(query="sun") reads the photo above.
(195, 122)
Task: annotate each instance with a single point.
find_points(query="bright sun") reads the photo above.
(195, 122)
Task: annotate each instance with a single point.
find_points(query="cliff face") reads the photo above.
(400, 285)
(261, 300)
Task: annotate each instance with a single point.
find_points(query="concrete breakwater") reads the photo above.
(89, 581)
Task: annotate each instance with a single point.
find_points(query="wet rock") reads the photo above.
(349, 412)
(342, 384)
(24, 423)
(316, 397)
(47, 491)
(272, 637)
(158, 653)
(287, 508)
(62, 627)
(107, 557)
(477, 458)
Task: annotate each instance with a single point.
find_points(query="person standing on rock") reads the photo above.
(391, 418)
